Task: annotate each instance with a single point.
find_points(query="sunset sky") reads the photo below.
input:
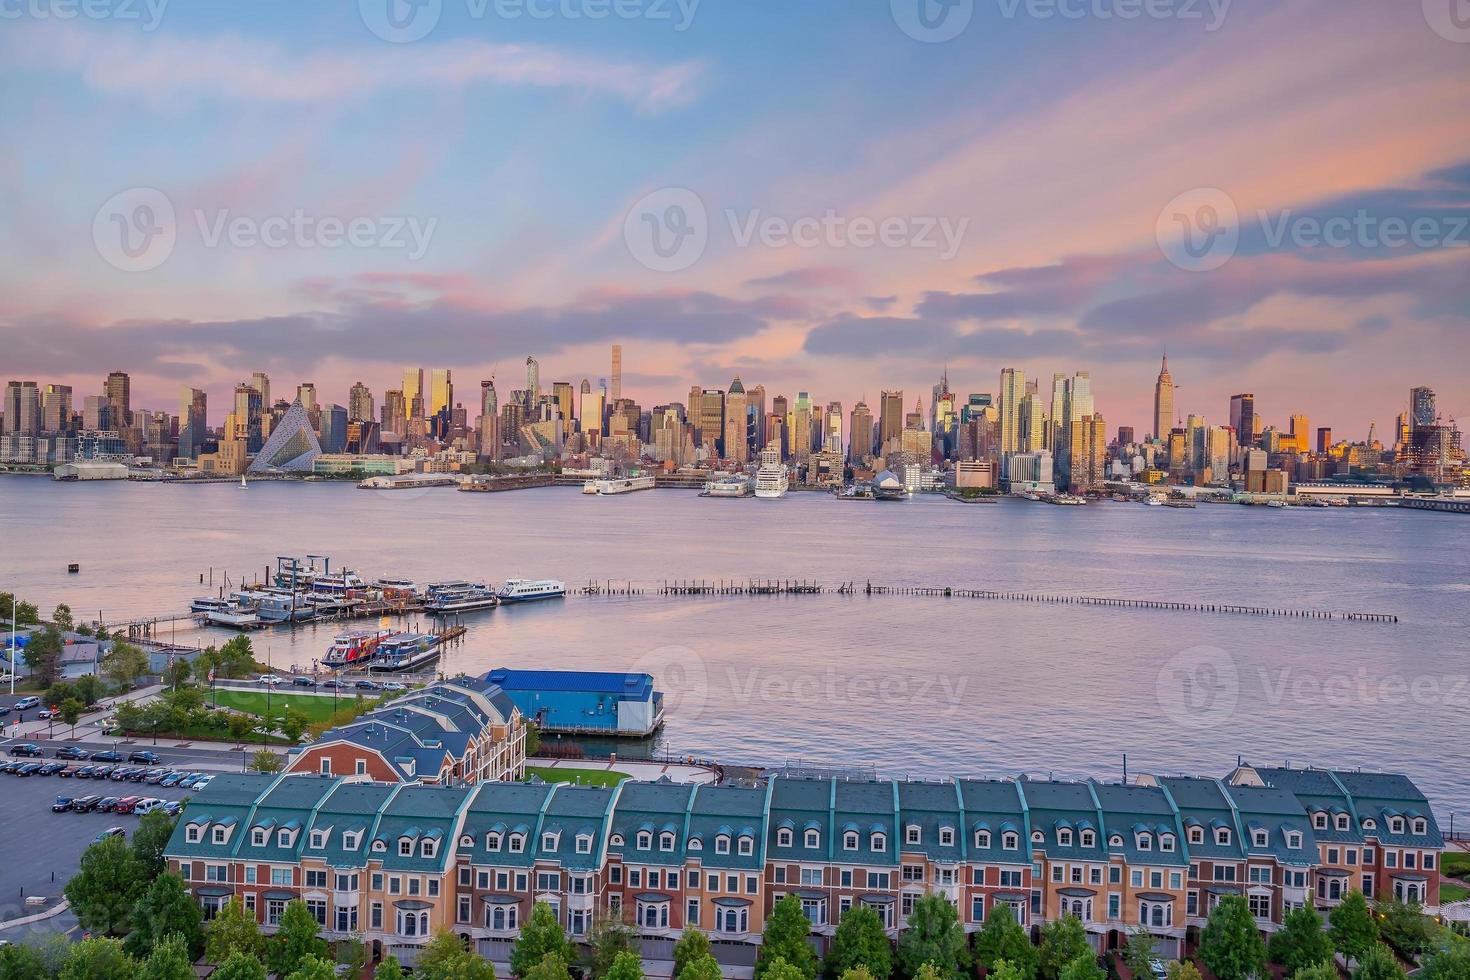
(523, 142)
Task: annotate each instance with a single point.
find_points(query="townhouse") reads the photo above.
(398, 861)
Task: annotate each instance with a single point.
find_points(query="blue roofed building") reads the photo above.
(584, 701)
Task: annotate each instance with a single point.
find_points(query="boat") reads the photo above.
(344, 581)
(394, 587)
(242, 482)
(448, 598)
(590, 486)
(1153, 501)
(404, 652)
(522, 590)
(226, 612)
(1179, 503)
(209, 604)
(771, 480)
(625, 484)
(1275, 503)
(350, 647)
(332, 603)
(727, 485)
(1065, 500)
(277, 605)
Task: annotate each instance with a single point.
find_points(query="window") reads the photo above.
(428, 847)
(1260, 906)
(281, 876)
(350, 840)
(1037, 837)
(517, 843)
(691, 912)
(812, 838)
(644, 840)
(347, 918)
(549, 841)
(1115, 906)
(695, 844)
(492, 841)
(1088, 838)
(250, 874)
(405, 847)
(548, 881)
(215, 872)
(722, 844)
(850, 840)
(377, 881)
(318, 839)
(584, 843)
(433, 887)
(946, 836)
(1010, 879)
(1222, 836)
(376, 915)
(1010, 840)
(462, 914)
(982, 838)
(912, 834)
(362, 767)
(746, 845)
(783, 837)
(221, 834)
(318, 909)
(316, 879)
(1145, 842)
(326, 767)
(192, 833)
(257, 837)
(1196, 835)
(811, 877)
(274, 909)
(1294, 839)
(615, 874)
(1260, 838)
(395, 885)
(1115, 874)
(878, 841)
(913, 872)
(1166, 842)
(1421, 826)
(1319, 820)
(977, 908)
(1064, 837)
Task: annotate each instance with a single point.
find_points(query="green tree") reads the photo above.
(445, 958)
(240, 966)
(265, 760)
(627, 965)
(1084, 967)
(166, 909)
(240, 725)
(1183, 970)
(609, 937)
(692, 945)
(62, 617)
(352, 955)
(1006, 970)
(19, 961)
(25, 613)
(1354, 930)
(779, 969)
(860, 941)
(1326, 970)
(71, 712)
(293, 724)
(934, 936)
(1378, 963)
(103, 891)
(1138, 953)
(533, 739)
(1300, 942)
(552, 966)
(124, 664)
(389, 969)
(1002, 938)
(236, 657)
(1062, 942)
(785, 939)
(43, 655)
(168, 961)
(149, 840)
(97, 958)
(857, 973)
(1450, 961)
(1405, 927)
(297, 937)
(130, 717)
(1231, 944)
(88, 689)
(233, 931)
(704, 967)
(315, 968)
(540, 937)
(176, 674)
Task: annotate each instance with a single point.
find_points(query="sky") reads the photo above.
(832, 196)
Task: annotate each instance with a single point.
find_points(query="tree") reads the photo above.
(265, 761)
(857, 973)
(445, 958)
(233, 931)
(149, 840)
(43, 655)
(97, 958)
(168, 961)
(627, 965)
(779, 969)
(1231, 945)
(1183, 970)
(20, 962)
(124, 664)
(1006, 970)
(1084, 967)
(934, 936)
(533, 739)
(1405, 927)
(293, 724)
(1300, 942)
(62, 617)
(240, 725)
(552, 966)
(176, 673)
(352, 953)
(240, 966)
(609, 937)
(236, 658)
(541, 936)
(389, 969)
(1377, 962)
(1138, 954)
(102, 893)
(1062, 942)
(692, 945)
(296, 938)
(1002, 938)
(71, 712)
(88, 689)
(785, 939)
(704, 967)
(1326, 970)
(859, 942)
(314, 968)
(1450, 962)
(166, 909)
(24, 612)
(1354, 930)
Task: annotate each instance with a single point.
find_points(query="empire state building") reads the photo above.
(1163, 402)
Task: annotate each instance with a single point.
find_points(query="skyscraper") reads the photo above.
(413, 393)
(890, 421)
(860, 434)
(533, 381)
(617, 372)
(359, 403)
(566, 401)
(589, 412)
(1422, 411)
(56, 408)
(735, 446)
(1163, 401)
(489, 422)
(395, 411)
(441, 392)
(193, 420)
(1012, 390)
(1324, 439)
(22, 408)
(261, 382)
(119, 395)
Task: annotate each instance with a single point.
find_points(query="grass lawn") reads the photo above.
(583, 777)
(1453, 893)
(1456, 864)
(314, 707)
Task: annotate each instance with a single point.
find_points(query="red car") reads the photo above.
(126, 804)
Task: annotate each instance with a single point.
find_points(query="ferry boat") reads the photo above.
(225, 612)
(522, 590)
(206, 604)
(393, 585)
(590, 486)
(344, 581)
(350, 647)
(404, 652)
(624, 484)
(448, 598)
(727, 485)
(277, 605)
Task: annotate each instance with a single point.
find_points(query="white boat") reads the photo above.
(348, 648)
(523, 590)
(1154, 501)
(448, 598)
(277, 605)
(235, 617)
(344, 581)
(590, 486)
(242, 482)
(727, 485)
(1275, 503)
(394, 586)
(209, 604)
(403, 652)
(771, 480)
(625, 484)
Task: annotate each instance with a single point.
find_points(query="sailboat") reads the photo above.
(242, 482)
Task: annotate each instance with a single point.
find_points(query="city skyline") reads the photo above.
(1061, 266)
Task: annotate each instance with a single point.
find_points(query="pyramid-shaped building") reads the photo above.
(292, 447)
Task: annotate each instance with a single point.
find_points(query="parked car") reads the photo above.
(270, 679)
(106, 804)
(69, 771)
(51, 768)
(173, 808)
(144, 756)
(27, 748)
(26, 704)
(9, 766)
(127, 804)
(72, 752)
(45, 714)
(366, 685)
(332, 682)
(156, 776)
(121, 773)
(202, 781)
(28, 769)
(190, 780)
(303, 682)
(172, 779)
(85, 804)
(148, 805)
(394, 686)
(107, 755)
(4, 710)
(62, 804)
(109, 832)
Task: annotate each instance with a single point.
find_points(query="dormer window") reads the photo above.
(1222, 836)
(1145, 842)
(745, 845)
(946, 836)
(1037, 837)
(1260, 838)
(783, 837)
(584, 843)
(257, 837)
(283, 838)
(492, 841)
(221, 835)
(695, 844)
(1089, 838)
(645, 840)
(1319, 820)
(1396, 825)
(405, 847)
(1064, 837)
(912, 834)
(318, 839)
(1369, 823)
(549, 841)
(722, 844)
(813, 838)
(982, 838)
(616, 840)
(878, 842)
(380, 846)
(1294, 839)
(1421, 826)
(428, 847)
(517, 843)
(1166, 842)
(1116, 840)
(666, 841)
(192, 833)
(351, 840)
(1196, 835)
(850, 840)
(1342, 821)
(466, 841)
(1010, 840)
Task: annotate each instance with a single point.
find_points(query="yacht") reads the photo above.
(394, 587)
(623, 484)
(727, 485)
(522, 590)
(344, 581)
(348, 648)
(277, 605)
(403, 652)
(226, 612)
(448, 598)
(209, 604)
